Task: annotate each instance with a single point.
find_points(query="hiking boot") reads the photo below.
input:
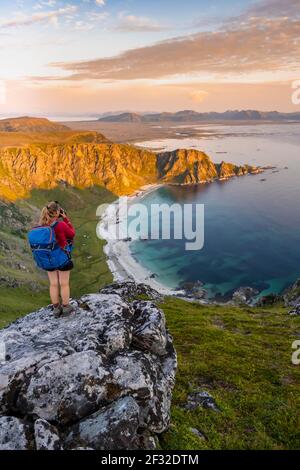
(67, 310)
(57, 311)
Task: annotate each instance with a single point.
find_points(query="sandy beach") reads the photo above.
(121, 263)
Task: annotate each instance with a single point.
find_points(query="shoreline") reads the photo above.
(120, 260)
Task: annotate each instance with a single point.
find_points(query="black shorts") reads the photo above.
(68, 267)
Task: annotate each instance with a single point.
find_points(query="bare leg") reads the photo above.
(54, 287)
(64, 281)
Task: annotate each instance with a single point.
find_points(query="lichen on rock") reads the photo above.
(101, 378)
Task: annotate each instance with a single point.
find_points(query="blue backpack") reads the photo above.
(46, 252)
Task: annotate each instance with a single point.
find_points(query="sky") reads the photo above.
(85, 57)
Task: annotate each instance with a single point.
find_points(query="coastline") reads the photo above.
(120, 260)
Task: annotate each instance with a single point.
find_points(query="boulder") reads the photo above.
(244, 295)
(194, 290)
(112, 361)
(130, 290)
(201, 399)
(46, 436)
(15, 434)
(295, 310)
(291, 295)
(115, 426)
(65, 389)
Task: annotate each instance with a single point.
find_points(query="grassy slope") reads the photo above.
(20, 139)
(91, 269)
(242, 356)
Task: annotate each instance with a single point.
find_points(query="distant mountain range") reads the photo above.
(193, 116)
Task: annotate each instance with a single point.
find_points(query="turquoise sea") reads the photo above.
(252, 223)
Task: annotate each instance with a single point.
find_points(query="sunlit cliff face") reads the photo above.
(91, 56)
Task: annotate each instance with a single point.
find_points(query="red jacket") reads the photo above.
(64, 231)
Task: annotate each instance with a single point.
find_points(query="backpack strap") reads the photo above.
(52, 226)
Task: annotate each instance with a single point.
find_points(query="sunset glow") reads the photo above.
(89, 56)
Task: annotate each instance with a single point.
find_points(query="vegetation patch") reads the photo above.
(245, 366)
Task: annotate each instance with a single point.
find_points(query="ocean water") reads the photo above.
(252, 223)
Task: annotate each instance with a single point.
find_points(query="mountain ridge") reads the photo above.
(194, 116)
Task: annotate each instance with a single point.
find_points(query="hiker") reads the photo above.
(51, 244)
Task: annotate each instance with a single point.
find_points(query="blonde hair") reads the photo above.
(49, 213)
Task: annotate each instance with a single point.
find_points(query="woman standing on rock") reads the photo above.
(51, 244)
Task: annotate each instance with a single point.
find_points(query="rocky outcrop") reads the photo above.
(291, 297)
(194, 290)
(244, 295)
(229, 170)
(201, 399)
(122, 169)
(15, 434)
(192, 167)
(130, 290)
(101, 378)
(295, 310)
(186, 167)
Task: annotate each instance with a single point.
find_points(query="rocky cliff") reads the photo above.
(119, 168)
(99, 379)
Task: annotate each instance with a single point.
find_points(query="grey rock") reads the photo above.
(295, 311)
(66, 389)
(244, 295)
(114, 427)
(201, 399)
(194, 290)
(131, 291)
(15, 434)
(291, 295)
(46, 436)
(149, 332)
(134, 374)
(59, 372)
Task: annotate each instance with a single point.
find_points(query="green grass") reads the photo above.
(242, 357)
(19, 301)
